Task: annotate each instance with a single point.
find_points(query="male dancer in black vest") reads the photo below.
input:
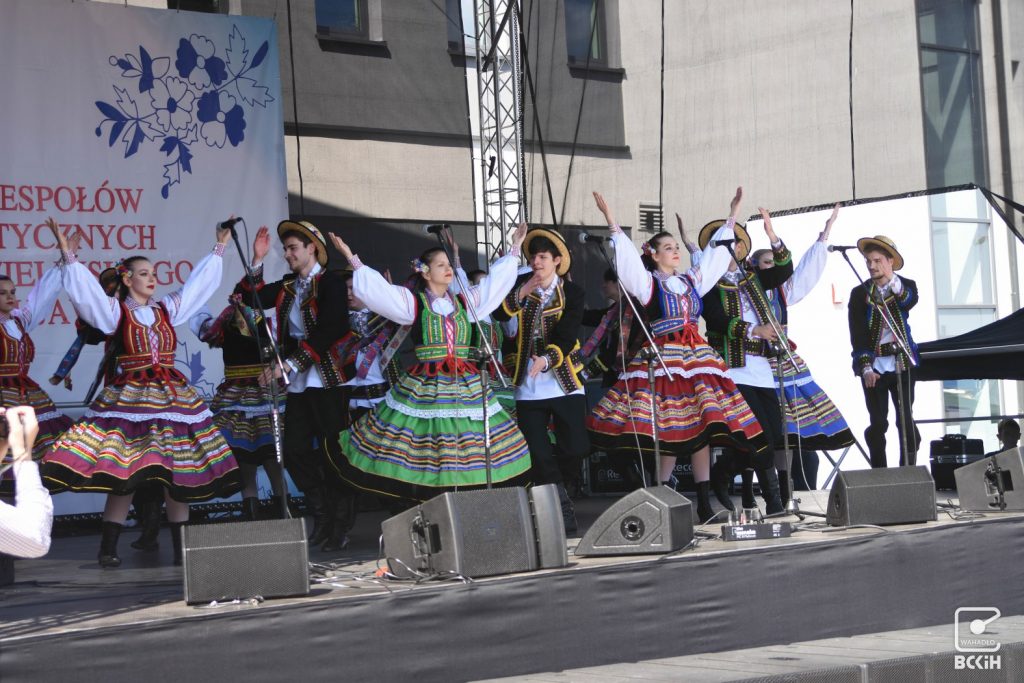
(876, 350)
(312, 315)
(545, 311)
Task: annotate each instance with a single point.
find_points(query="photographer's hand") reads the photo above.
(22, 429)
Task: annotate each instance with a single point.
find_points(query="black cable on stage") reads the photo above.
(295, 110)
(853, 156)
(661, 123)
(579, 111)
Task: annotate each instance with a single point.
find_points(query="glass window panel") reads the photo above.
(461, 20)
(963, 204)
(963, 263)
(949, 23)
(951, 88)
(954, 321)
(972, 398)
(339, 16)
(581, 34)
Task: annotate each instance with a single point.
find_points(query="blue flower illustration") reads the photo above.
(197, 62)
(204, 104)
(172, 102)
(221, 118)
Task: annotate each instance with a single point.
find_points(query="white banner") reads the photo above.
(141, 128)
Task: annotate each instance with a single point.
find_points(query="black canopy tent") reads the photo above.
(993, 351)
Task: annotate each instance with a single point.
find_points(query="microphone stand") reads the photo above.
(784, 353)
(487, 356)
(909, 457)
(275, 351)
(650, 353)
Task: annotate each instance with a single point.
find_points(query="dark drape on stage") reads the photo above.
(994, 351)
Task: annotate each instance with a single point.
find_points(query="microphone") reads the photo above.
(229, 224)
(585, 237)
(722, 243)
(836, 247)
(435, 228)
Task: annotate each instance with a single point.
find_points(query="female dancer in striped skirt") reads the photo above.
(17, 353)
(148, 424)
(427, 436)
(696, 401)
(241, 406)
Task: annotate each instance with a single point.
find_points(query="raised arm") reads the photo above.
(92, 303)
(635, 278)
(712, 263)
(807, 273)
(501, 277)
(394, 302)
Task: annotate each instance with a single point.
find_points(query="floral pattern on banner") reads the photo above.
(202, 99)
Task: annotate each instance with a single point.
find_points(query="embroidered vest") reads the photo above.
(144, 347)
(670, 312)
(15, 354)
(442, 336)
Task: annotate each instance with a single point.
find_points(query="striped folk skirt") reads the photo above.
(241, 409)
(144, 427)
(697, 404)
(811, 414)
(427, 437)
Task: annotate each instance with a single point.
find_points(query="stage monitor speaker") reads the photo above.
(892, 495)
(469, 533)
(978, 483)
(245, 559)
(647, 521)
(548, 526)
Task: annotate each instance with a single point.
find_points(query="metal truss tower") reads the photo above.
(499, 79)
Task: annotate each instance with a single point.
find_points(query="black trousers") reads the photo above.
(764, 403)
(569, 415)
(313, 421)
(804, 470)
(877, 400)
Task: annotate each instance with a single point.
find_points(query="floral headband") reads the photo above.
(419, 266)
(647, 249)
(121, 268)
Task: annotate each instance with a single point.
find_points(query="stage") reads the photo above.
(66, 619)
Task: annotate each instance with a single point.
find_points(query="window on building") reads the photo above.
(461, 20)
(965, 300)
(585, 32)
(951, 92)
(209, 6)
(342, 18)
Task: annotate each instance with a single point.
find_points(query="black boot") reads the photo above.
(747, 492)
(176, 531)
(250, 509)
(704, 511)
(148, 514)
(317, 506)
(344, 517)
(784, 492)
(110, 531)
(769, 480)
(721, 480)
(273, 510)
(568, 511)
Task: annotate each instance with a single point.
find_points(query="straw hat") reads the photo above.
(885, 244)
(309, 230)
(559, 242)
(711, 228)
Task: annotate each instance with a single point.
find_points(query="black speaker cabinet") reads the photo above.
(471, 533)
(245, 559)
(978, 483)
(548, 526)
(892, 495)
(647, 521)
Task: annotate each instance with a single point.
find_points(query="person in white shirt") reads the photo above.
(24, 526)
